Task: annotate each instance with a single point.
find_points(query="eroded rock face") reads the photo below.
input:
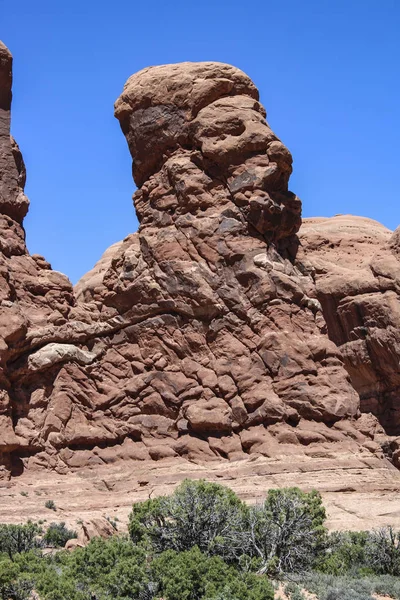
(356, 265)
(13, 201)
(201, 335)
(206, 118)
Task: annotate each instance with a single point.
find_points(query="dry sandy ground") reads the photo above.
(359, 491)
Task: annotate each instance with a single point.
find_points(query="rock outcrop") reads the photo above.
(13, 202)
(356, 267)
(32, 296)
(202, 335)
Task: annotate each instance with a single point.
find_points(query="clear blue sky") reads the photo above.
(327, 70)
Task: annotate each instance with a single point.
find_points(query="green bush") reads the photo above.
(293, 592)
(57, 535)
(191, 575)
(50, 504)
(115, 567)
(287, 532)
(207, 515)
(361, 553)
(21, 589)
(382, 551)
(12, 586)
(19, 538)
(284, 534)
(344, 553)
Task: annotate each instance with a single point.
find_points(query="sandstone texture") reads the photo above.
(13, 202)
(215, 335)
(356, 266)
(359, 491)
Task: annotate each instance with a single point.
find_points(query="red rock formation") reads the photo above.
(13, 201)
(356, 267)
(201, 335)
(32, 296)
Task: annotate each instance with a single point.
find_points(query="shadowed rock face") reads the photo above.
(201, 335)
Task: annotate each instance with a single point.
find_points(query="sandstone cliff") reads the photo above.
(356, 266)
(206, 335)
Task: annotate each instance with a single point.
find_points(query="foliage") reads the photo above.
(113, 568)
(19, 538)
(287, 531)
(57, 535)
(362, 553)
(10, 584)
(283, 534)
(345, 553)
(386, 585)
(50, 504)
(383, 551)
(20, 589)
(203, 543)
(191, 575)
(113, 522)
(293, 592)
(207, 515)
(331, 587)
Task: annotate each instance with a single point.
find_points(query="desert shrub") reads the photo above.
(382, 551)
(115, 568)
(20, 575)
(341, 592)
(113, 522)
(386, 585)
(344, 553)
(20, 589)
(331, 587)
(12, 585)
(191, 575)
(57, 535)
(207, 515)
(50, 504)
(105, 569)
(19, 538)
(203, 543)
(287, 531)
(362, 553)
(284, 534)
(293, 592)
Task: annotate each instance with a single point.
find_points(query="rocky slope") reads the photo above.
(208, 335)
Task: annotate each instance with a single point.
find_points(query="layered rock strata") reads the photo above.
(200, 336)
